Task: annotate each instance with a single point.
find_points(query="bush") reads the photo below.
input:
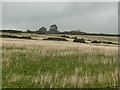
(79, 40)
(65, 36)
(95, 41)
(56, 39)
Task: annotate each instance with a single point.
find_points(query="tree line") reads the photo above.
(54, 30)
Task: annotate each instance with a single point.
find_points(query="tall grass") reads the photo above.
(0, 63)
(52, 64)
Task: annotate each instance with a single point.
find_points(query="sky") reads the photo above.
(0, 15)
(95, 17)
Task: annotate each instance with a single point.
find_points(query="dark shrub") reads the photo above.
(109, 42)
(74, 38)
(89, 40)
(10, 36)
(103, 41)
(79, 40)
(95, 41)
(56, 39)
(65, 36)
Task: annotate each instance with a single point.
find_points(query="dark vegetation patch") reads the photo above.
(11, 31)
(89, 40)
(79, 40)
(65, 36)
(73, 37)
(56, 39)
(95, 41)
(10, 36)
(113, 87)
(82, 40)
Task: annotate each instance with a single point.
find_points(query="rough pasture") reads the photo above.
(55, 64)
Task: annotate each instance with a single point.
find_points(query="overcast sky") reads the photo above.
(98, 17)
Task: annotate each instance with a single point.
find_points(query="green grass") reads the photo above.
(40, 66)
(101, 38)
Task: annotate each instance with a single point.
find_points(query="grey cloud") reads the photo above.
(0, 15)
(88, 16)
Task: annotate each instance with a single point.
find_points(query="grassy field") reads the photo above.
(103, 38)
(58, 64)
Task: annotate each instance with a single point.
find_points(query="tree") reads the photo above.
(28, 31)
(78, 30)
(53, 29)
(42, 30)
